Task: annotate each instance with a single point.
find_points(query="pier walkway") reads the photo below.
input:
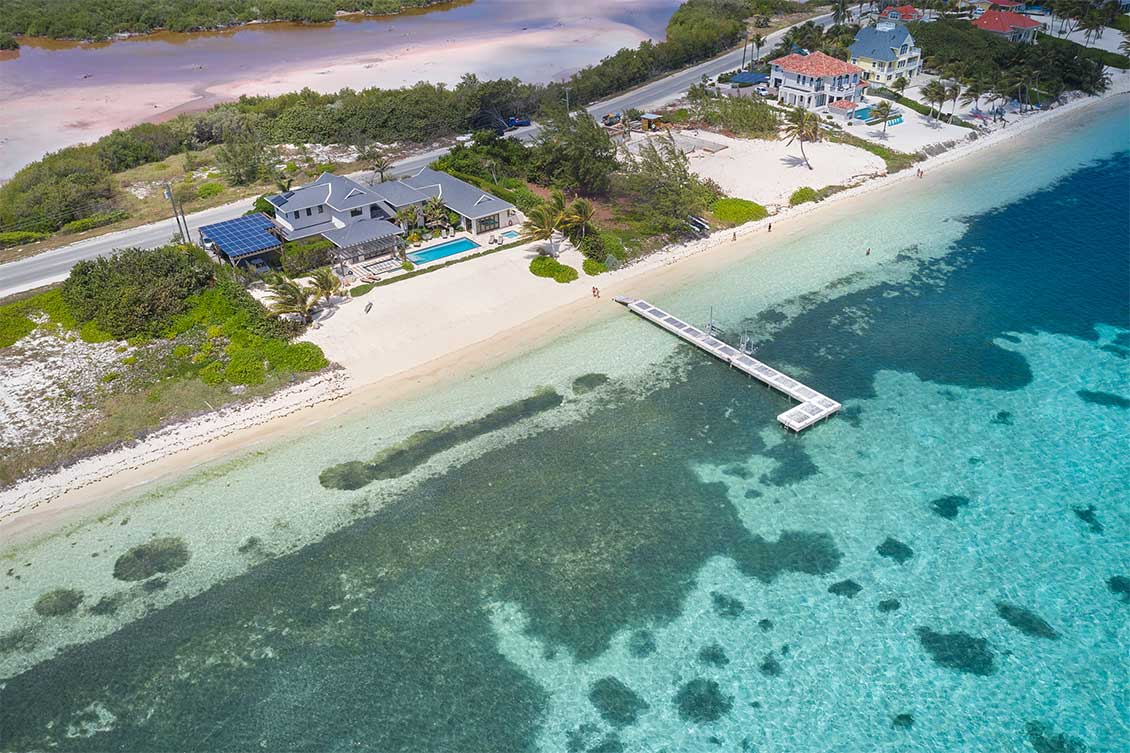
(813, 406)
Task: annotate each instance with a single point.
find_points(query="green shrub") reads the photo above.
(213, 373)
(359, 290)
(110, 376)
(208, 190)
(547, 266)
(300, 257)
(802, 195)
(14, 326)
(592, 246)
(613, 246)
(302, 356)
(90, 332)
(738, 211)
(182, 351)
(8, 42)
(407, 266)
(593, 268)
(245, 367)
(93, 221)
(20, 237)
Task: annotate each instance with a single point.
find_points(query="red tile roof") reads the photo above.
(1005, 3)
(844, 104)
(905, 12)
(1002, 22)
(816, 64)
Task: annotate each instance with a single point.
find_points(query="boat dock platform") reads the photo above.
(814, 407)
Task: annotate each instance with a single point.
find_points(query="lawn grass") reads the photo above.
(895, 160)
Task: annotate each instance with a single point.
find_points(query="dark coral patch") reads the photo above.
(153, 557)
(726, 606)
(714, 655)
(902, 721)
(154, 584)
(1087, 515)
(588, 382)
(846, 588)
(1002, 418)
(641, 644)
(1107, 399)
(769, 666)
(889, 605)
(616, 703)
(1120, 585)
(610, 744)
(959, 651)
(18, 639)
(765, 624)
(1026, 621)
(895, 550)
(108, 604)
(702, 701)
(949, 507)
(1045, 740)
(61, 601)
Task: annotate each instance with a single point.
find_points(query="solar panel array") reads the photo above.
(243, 235)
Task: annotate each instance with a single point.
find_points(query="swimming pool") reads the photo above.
(511, 234)
(863, 113)
(457, 246)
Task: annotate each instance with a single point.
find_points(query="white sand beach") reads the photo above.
(444, 326)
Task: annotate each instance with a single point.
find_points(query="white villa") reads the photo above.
(886, 51)
(815, 80)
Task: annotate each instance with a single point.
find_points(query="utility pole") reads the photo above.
(177, 215)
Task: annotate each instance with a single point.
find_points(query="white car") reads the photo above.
(762, 90)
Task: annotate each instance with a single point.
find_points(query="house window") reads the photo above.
(309, 211)
(296, 215)
(321, 209)
(375, 212)
(354, 212)
(486, 224)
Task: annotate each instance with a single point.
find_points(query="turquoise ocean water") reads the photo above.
(609, 545)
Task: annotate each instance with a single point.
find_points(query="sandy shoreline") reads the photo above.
(526, 315)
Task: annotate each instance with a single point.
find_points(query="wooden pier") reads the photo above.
(814, 407)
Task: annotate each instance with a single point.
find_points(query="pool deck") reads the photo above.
(814, 407)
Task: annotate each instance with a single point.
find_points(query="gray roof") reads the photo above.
(361, 232)
(336, 191)
(880, 44)
(398, 194)
(456, 194)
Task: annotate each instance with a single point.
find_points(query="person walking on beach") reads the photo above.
(770, 227)
(868, 252)
(594, 291)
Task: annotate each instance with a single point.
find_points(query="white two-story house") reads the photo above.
(886, 51)
(815, 80)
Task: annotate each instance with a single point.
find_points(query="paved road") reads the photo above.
(53, 266)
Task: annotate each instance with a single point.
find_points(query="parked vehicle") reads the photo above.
(612, 118)
(517, 121)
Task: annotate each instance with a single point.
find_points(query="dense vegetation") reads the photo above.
(993, 65)
(99, 19)
(189, 337)
(8, 42)
(76, 182)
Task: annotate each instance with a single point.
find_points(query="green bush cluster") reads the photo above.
(744, 116)
(208, 190)
(803, 195)
(20, 237)
(15, 318)
(300, 257)
(98, 219)
(14, 325)
(593, 268)
(359, 290)
(8, 42)
(738, 211)
(547, 266)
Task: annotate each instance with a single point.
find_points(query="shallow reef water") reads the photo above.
(659, 567)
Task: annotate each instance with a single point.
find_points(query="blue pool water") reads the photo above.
(457, 246)
(607, 544)
(863, 113)
(511, 234)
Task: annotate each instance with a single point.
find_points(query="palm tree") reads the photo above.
(898, 86)
(578, 217)
(883, 112)
(435, 213)
(839, 12)
(292, 298)
(406, 217)
(324, 283)
(542, 224)
(953, 91)
(935, 93)
(375, 159)
(974, 90)
(758, 40)
(801, 126)
(283, 182)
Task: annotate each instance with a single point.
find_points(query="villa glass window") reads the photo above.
(354, 212)
(486, 224)
(321, 209)
(296, 215)
(309, 211)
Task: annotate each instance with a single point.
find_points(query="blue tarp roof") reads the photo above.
(243, 236)
(748, 77)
